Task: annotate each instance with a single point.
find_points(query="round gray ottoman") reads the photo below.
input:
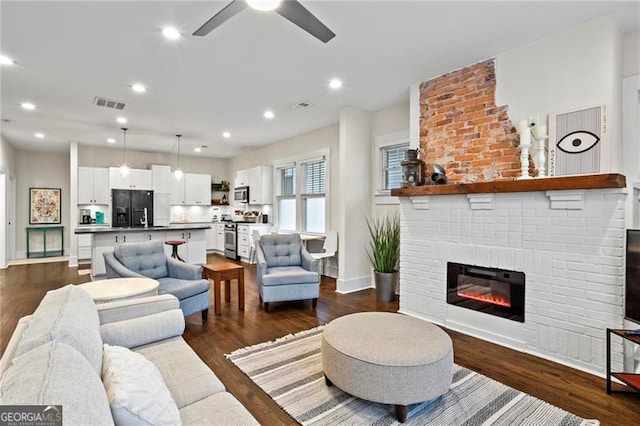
(387, 358)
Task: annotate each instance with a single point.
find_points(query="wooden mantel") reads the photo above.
(556, 183)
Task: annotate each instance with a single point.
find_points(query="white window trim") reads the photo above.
(299, 161)
(383, 196)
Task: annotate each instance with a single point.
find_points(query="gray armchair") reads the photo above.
(285, 270)
(147, 259)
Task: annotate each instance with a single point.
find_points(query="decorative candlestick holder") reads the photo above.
(541, 155)
(524, 161)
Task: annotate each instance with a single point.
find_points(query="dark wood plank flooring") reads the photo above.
(22, 287)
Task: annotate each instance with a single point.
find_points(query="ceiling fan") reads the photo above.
(289, 9)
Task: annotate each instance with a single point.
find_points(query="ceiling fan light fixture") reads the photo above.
(264, 5)
(171, 33)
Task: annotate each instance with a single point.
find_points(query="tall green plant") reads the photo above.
(384, 247)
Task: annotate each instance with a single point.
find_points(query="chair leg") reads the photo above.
(205, 314)
(314, 303)
(266, 307)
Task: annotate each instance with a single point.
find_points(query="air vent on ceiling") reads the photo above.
(301, 105)
(108, 103)
(8, 121)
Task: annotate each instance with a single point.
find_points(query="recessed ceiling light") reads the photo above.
(336, 83)
(197, 149)
(268, 114)
(137, 87)
(28, 105)
(170, 33)
(121, 120)
(5, 60)
(111, 140)
(226, 135)
(39, 135)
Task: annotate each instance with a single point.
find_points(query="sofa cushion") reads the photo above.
(281, 250)
(289, 275)
(146, 258)
(187, 377)
(67, 315)
(57, 374)
(182, 288)
(219, 409)
(136, 391)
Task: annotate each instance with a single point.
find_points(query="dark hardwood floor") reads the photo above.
(22, 288)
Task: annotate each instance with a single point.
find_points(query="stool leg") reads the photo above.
(327, 381)
(401, 413)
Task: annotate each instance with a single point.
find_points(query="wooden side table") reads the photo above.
(226, 272)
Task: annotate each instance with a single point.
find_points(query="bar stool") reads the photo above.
(174, 248)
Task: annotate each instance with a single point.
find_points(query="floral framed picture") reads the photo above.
(44, 205)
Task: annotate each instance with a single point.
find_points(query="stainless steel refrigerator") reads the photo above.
(131, 208)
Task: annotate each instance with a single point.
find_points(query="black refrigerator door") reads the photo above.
(121, 208)
(141, 200)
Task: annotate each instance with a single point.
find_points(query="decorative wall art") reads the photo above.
(44, 205)
(579, 142)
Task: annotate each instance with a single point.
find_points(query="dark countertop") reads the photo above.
(101, 229)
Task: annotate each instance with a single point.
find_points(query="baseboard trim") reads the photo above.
(352, 285)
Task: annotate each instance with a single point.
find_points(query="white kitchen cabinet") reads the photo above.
(136, 179)
(85, 241)
(212, 236)
(245, 238)
(195, 248)
(197, 189)
(242, 178)
(161, 209)
(93, 185)
(192, 190)
(261, 185)
(161, 179)
(220, 237)
(106, 242)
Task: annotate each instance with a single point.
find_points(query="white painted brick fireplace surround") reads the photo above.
(570, 244)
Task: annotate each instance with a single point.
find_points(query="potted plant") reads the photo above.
(224, 185)
(384, 253)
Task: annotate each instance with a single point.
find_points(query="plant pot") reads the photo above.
(386, 285)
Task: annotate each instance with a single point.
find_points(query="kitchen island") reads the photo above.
(105, 238)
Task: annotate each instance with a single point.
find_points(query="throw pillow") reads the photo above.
(135, 388)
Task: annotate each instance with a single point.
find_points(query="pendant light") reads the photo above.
(178, 171)
(124, 168)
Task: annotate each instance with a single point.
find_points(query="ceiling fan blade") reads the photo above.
(299, 15)
(229, 11)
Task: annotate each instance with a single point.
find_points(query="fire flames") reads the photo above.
(485, 297)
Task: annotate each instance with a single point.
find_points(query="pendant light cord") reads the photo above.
(124, 130)
(178, 136)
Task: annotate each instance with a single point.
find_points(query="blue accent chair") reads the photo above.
(147, 259)
(285, 270)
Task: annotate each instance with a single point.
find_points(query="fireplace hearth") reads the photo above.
(493, 291)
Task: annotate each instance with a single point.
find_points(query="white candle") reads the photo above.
(523, 126)
(525, 137)
(541, 131)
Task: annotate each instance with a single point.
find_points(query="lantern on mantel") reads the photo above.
(413, 169)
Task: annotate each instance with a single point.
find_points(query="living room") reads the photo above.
(535, 77)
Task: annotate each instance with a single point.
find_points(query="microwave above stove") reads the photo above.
(241, 194)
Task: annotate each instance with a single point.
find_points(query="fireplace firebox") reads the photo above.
(490, 290)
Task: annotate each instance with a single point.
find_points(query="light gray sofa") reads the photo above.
(55, 357)
(147, 259)
(285, 270)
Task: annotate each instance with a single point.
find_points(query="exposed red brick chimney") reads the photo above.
(462, 129)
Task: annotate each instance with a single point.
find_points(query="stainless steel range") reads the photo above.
(231, 241)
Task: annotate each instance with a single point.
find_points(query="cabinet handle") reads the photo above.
(116, 238)
(183, 235)
(149, 237)
(124, 238)
(189, 235)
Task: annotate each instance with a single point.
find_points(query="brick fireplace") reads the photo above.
(568, 243)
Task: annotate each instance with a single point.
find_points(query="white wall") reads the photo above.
(112, 157)
(577, 68)
(40, 170)
(631, 47)
(327, 137)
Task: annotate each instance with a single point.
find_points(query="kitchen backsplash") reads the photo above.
(182, 214)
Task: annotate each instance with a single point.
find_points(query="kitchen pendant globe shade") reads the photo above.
(177, 173)
(124, 170)
(264, 5)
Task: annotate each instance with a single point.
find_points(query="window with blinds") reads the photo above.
(288, 180)
(392, 157)
(314, 177)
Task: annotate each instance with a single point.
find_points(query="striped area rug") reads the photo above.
(289, 370)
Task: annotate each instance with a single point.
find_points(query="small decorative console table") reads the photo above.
(630, 379)
(45, 252)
